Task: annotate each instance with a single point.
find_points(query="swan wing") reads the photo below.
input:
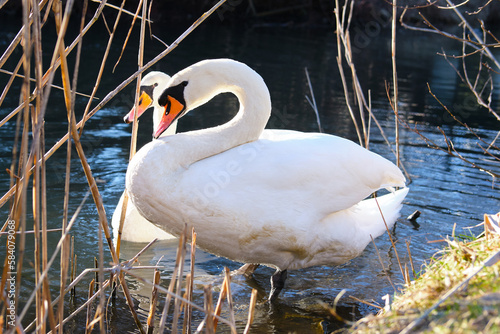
(288, 177)
(267, 201)
(311, 172)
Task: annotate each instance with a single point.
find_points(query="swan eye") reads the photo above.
(184, 83)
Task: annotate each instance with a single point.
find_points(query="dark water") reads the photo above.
(445, 189)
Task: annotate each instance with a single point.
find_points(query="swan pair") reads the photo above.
(281, 198)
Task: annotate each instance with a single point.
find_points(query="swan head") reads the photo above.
(152, 85)
(199, 83)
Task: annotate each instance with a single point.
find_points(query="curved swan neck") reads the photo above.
(253, 114)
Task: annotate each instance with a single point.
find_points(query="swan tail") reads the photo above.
(355, 227)
(377, 212)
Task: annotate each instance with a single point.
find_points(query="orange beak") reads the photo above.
(173, 110)
(145, 102)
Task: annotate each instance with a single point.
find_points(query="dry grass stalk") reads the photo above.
(411, 259)
(395, 77)
(251, 309)
(185, 307)
(382, 263)
(89, 305)
(64, 249)
(173, 295)
(312, 101)
(230, 299)
(486, 64)
(180, 272)
(341, 40)
(135, 125)
(189, 292)
(103, 63)
(220, 301)
(366, 303)
(333, 309)
(141, 49)
(403, 272)
(171, 286)
(123, 10)
(113, 93)
(152, 304)
(344, 43)
(30, 158)
(450, 147)
(209, 326)
(72, 266)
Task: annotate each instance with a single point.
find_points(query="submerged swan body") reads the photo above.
(282, 198)
(136, 228)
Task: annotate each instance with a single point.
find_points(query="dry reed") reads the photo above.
(345, 52)
(28, 170)
(481, 85)
(343, 17)
(454, 291)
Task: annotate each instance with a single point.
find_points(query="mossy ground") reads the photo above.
(473, 308)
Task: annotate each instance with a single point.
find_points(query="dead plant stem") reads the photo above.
(251, 311)
(103, 63)
(125, 83)
(395, 79)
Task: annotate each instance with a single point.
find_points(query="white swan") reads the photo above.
(281, 198)
(135, 227)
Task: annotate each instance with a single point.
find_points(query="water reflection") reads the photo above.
(445, 189)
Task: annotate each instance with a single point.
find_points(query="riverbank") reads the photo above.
(458, 291)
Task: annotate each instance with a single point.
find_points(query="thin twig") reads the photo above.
(390, 238)
(180, 272)
(312, 101)
(171, 286)
(123, 10)
(395, 79)
(103, 63)
(220, 301)
(251, 311)
(153, 301)
(129, 32)
(366, 303)
(382, 263)
(59, 245)
(113, 93)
